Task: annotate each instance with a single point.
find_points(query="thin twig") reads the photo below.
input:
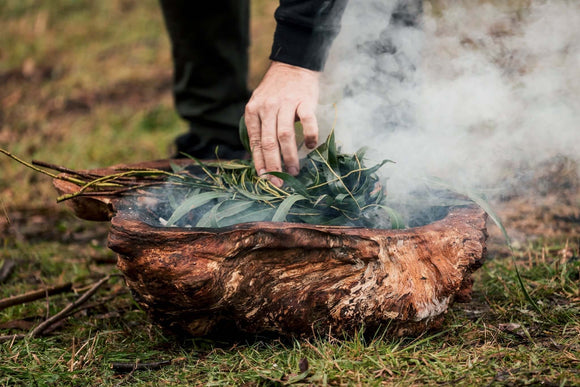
(110, 193)
(114, 181)
(12, 337)
(42, 327)
(34, 295)
(101, 301)
(43, 171)
(61, 169)
(27, 164)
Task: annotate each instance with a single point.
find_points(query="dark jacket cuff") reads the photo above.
(299, 46)
(305, 30)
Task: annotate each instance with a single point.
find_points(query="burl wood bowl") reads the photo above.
(290, 278)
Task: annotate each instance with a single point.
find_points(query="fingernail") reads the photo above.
(311, 145)
(261, 172)
(293, 171)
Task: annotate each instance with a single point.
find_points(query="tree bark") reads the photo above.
(300, 279)
(288, 278)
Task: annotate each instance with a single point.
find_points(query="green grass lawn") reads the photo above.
(86, 84)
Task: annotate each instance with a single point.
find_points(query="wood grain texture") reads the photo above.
(292, 278)
(288, 278)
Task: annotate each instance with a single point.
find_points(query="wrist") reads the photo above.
(281, 66)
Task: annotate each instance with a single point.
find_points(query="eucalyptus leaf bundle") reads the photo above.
(331, 189)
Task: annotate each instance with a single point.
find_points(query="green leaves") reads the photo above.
(332, 189)
(192, 203)
(224, 213)
(292, 182)
(285, 206)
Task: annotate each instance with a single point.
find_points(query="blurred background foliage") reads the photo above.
(86, 84)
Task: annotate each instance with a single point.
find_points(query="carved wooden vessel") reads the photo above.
(294, 279)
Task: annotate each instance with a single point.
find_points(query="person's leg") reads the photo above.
(210, 43)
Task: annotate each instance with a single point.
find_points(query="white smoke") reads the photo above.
(476, 92)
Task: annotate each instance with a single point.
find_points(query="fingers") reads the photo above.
(270, 147)
(287, 140)
(262, 131)
(255, 134)
(272, 138)
(285, 93)
(309, 124)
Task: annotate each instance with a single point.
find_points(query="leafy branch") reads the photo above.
(331, 189)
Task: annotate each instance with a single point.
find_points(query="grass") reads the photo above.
(76, 73)
(87, 84)
(497, 338)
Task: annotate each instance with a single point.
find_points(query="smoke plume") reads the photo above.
(478, 94)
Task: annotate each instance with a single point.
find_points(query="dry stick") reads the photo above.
(101, 301)
(12, 337)
(116, 192)
(42, 327)
(114, 181)
(34, 295)
(52, 321)
(58, 168)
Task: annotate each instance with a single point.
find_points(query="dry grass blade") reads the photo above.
(486, 206)
(42, 327)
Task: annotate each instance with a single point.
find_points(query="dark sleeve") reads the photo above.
(305, 30)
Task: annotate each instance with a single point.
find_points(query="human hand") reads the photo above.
(286, 94)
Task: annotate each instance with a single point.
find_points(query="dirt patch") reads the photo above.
(549, 216)
(132, 92)
(546, 204)
(29, 99)
(50, 224)
(23, 83)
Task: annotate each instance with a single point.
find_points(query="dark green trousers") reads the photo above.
(209, 41)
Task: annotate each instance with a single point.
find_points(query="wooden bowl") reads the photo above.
(293, 279)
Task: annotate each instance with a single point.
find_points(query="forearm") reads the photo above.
(305, 31)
